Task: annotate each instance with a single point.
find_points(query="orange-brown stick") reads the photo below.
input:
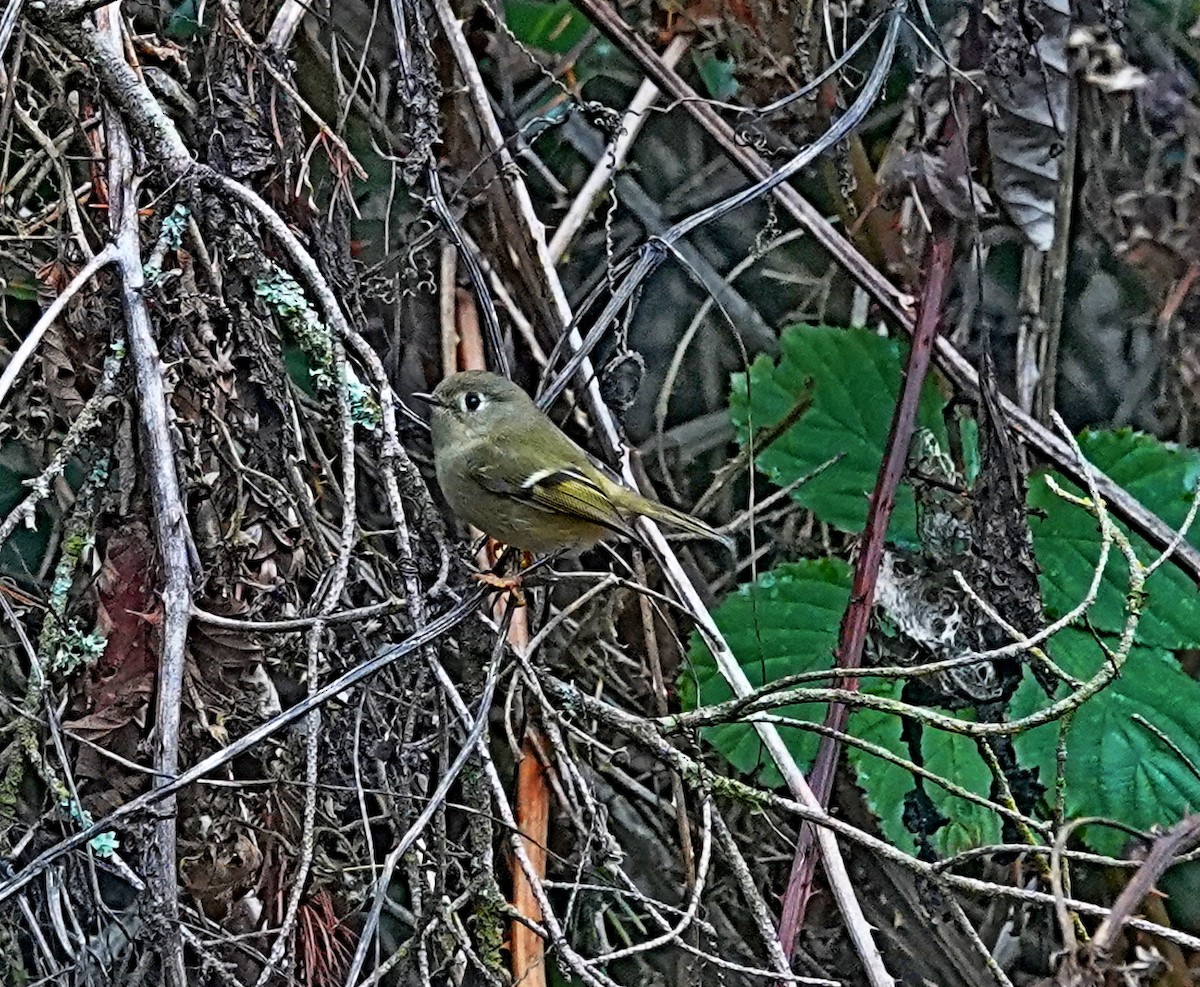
(533, 821)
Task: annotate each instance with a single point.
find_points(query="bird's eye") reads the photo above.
(472, 400)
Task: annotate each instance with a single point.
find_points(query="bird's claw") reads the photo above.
(508, 584)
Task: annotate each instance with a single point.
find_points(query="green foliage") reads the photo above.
(184, 22)
(1116, 767)
(784, 623)
(787, 621)
(22, 289)
(855, 380)
(299, 369)
(553, 27)
(948, 755)
(1067, 540)
(883, 783)
(717, 74)
(968, 431)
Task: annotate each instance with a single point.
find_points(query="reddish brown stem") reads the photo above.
(532, 805)
(866, 572)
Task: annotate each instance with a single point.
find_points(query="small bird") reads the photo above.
(505, 467)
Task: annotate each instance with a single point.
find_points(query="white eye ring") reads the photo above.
(472, 401)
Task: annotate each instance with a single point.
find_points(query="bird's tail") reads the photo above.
(685, 522)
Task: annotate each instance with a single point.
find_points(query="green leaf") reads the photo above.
(949, 755)
(786, 622)
(968, 430)
(554, 27)
(883, 783)
(1067, 539)
(717, 74)
(855, 382)
(957, 758)
(184, 22)
(1115, 766)
(20, 289)
(299, 368)
(1162, 475)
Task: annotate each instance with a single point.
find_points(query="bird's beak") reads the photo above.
(427, 398)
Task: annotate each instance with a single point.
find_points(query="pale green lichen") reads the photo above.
(103, 844)
(364, 409)
(75, 649)
(287, 299)
(170, 237)
(62, 647)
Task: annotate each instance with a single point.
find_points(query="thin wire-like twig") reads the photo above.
(645, 733)
(655, 251)
(615, 156)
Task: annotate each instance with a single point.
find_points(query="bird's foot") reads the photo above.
(507, 583)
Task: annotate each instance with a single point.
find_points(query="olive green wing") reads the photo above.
(562, 491)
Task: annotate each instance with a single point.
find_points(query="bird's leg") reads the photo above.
(527, 566)
(496, 577)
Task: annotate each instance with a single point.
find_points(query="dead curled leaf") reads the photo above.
(128, 613)
(1026, 82)
(222, 872)
(130, 706)
(927, 175)
(59, 354)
